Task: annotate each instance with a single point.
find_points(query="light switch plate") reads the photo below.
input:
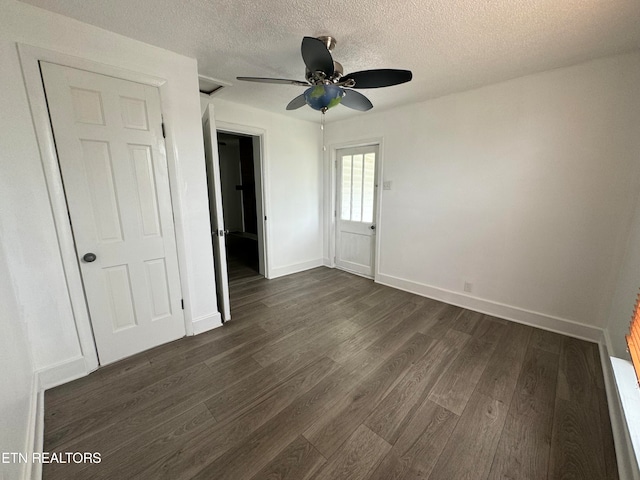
(386, 185)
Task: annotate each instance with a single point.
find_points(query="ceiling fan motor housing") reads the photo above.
(318, 77)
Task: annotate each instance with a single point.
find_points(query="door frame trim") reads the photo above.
(30, 57)
(262, 210)
(333, 197)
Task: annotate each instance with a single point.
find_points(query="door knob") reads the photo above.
(89, 257)
(372, 227)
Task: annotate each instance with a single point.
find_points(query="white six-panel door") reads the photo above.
(108, 135)
(218, 232)
(356, 209)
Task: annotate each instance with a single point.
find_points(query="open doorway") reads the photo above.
(239, 156)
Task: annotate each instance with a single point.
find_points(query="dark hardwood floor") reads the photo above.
(323, 375)
(242, 258)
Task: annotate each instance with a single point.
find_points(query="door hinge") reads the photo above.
(164, 135)
(182, 303)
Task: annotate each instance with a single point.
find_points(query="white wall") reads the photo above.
(16, 371)
(626, 293)
(293, 188)
(525, 188)
(26, 222)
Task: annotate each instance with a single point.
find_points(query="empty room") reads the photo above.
(319, 241)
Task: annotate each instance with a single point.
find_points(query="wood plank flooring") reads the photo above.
(323, 375)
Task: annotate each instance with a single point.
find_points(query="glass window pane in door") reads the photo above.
(356, 189)
(368, 187)
(345, 194)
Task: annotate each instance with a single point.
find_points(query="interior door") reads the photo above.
(108, 135)
(215, 208)
(356, 209)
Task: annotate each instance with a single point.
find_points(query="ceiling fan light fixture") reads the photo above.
(323, 97)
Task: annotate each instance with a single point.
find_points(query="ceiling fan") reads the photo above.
(327, 85)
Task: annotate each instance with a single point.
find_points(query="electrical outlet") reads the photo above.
(468, 287)
(386, 185)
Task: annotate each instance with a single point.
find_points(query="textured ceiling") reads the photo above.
(450, 45)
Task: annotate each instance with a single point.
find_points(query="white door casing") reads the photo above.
(217, 213)
(260, 174)
(108, 135)
(356, 202)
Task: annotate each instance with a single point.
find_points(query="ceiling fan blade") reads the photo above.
(297, 102)
(281, 81)
(383, 77)
(356, 100)
(316, 56)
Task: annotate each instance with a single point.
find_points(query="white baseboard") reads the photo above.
(209, 322)
(327, 262)
(61, 373)
(78, 367)
(295, 268)
(625, 455)
(35, 433)
(508, 312)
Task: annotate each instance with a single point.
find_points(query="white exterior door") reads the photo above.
(108, 135)
(215, 208)
(356, 209)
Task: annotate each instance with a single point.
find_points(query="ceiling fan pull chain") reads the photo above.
(324, 147)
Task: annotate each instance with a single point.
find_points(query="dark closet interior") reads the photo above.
(237, 178)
